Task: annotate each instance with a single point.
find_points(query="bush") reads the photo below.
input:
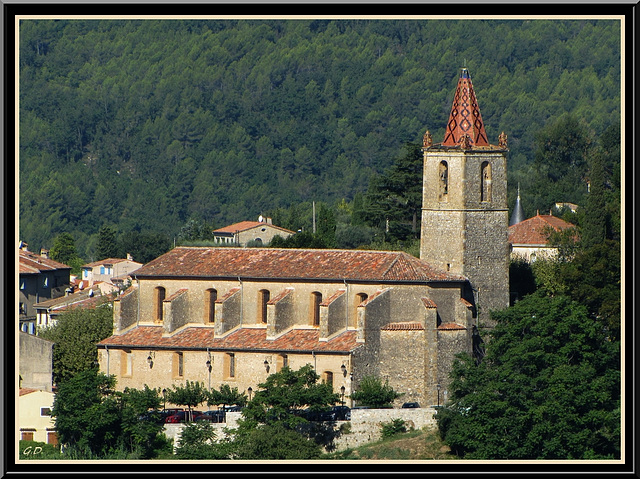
(394, 427)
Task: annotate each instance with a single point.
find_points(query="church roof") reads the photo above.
(465, 117)
(242, 339)
(293, 264)
(534, 231)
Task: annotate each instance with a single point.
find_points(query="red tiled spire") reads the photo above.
(465, 118)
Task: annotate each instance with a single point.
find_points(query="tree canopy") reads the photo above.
(547, 388)
(146, 124)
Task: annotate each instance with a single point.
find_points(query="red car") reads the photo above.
(182, 416)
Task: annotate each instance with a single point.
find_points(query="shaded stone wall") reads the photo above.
(402, 362)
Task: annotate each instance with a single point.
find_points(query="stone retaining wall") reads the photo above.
(365, 425)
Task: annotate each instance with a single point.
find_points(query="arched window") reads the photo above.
(485, 181)
(263, 298)
(316, 299)
(443, 175)
(210, 297)
(360, 298)
(282, 361)
(159, 293)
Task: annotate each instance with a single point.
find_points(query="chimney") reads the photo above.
(129, 257)
(44, 253)
(269, 221)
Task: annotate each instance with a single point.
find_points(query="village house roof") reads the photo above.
(88, 298)
(243, 339)
(109, 261)
(293, 264)
(246, 225)
(534, 231)
(31, 263)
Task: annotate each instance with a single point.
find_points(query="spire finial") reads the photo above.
(465, 118)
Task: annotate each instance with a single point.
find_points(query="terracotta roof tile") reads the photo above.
(243, 339)
(333, 297)
(451, 327)
(533, 231)
(287, 264)
(33, 263)
(25, 391)
(247, 225)
(428, 303)
(405, 326)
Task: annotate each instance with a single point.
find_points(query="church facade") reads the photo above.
(235, 315)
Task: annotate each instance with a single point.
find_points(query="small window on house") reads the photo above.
(443, 175)
(126, 363)
(263, 298)
(45, 411)
(316, 299)
(52, 438)
(160, 294)
(178, 364)
(485, 181)
(230, 365)
(26, 435)
(101, 269)
(210, 297)
(85, 273)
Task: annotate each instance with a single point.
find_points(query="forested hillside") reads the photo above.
(142, 125)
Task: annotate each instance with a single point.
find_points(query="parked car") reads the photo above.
(341, 413)
(182, 416)
(410, 405)
(165, 413)
(217, 415)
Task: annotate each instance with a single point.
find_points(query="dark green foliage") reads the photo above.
(191, 394)
(521, 279)
(397, 426)
(275, 441)
(34, 450)
(374, 393)
(196, 439)
(226, 395)
(107, 246)
(93, 421)
(75, 337)
(64, 251)
(596, 227)
(144, 125)
(547, 388)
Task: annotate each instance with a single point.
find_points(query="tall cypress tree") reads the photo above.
(595, 225)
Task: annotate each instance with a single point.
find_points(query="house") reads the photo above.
(235, 315)
(34, 416)
(48, 311)
(112, 273)
(259, 232)
(35, 362)
(529, 241)
(35, 395)
(40, 279)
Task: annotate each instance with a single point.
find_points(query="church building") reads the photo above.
(233, 316)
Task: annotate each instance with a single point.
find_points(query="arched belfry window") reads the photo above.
(443, 176)
(485, 181)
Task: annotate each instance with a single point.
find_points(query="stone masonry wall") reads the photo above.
(365, 425)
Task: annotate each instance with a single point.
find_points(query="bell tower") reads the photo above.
(464, 204)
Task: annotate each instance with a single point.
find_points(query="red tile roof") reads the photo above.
(288, 264)
(247, 225)
(465, 117)
(406, 326)
(25, 391)
(534, 231)
(243, 339)
(34, 263)
(451, 327)
(104, 261)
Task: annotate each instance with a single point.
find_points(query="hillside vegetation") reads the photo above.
(143, 125)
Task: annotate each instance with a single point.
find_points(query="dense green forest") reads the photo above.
(144, 125)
